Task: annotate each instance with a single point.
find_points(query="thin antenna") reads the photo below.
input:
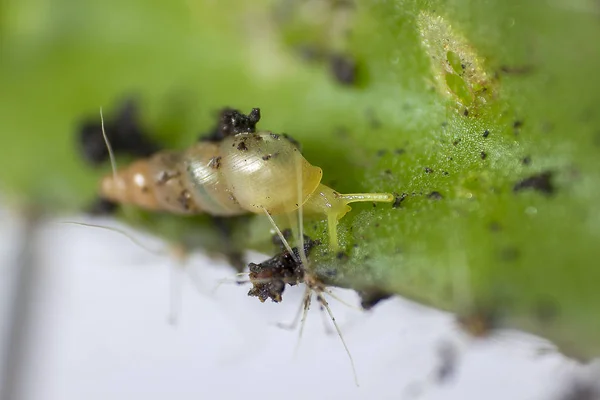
(337, 328)
(283, 239)
(113, 163)
(122, 232)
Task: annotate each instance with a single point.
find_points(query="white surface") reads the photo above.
(100, 332)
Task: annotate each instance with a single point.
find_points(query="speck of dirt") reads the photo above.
(486, 133)
(267, 157)
(388, 172)
(435, 196)
(185, 199)
(428, 170)
(232, 122)
(343, 68)
(466, 112)
(445, 173)
(509, 254)
(526, 160)
(541, 182)
(215, 162)
(242, 146)
(483, 155)
(517, 125)
(399, 199)
(495, 226)
(457, 141)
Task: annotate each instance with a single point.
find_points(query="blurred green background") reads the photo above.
(482, 116)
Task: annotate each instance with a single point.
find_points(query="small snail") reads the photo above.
(235, 171)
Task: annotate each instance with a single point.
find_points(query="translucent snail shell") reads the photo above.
(252, 172)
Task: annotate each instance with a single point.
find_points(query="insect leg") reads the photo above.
(292, 325)
(337, 328)
(306, 306)
(283, 239)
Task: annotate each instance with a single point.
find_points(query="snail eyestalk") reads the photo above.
(325, 200)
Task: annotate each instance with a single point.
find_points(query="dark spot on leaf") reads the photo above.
(399, 199)
(486, 133)
(457, 141)
(381, 152)
(509, 254)
(526, 160)
(266, 157)
(428, 170)
(483, 155)
(435, 196)
(495, 226)
(516, 70)
(342, 256)
(466, 113)
(541, 182)
(343, 68)
(399, 151)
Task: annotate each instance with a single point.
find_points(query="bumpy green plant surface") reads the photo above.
(455, 104)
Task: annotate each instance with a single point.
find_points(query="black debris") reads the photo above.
(270, 277)
(541, 182)
(124, 133)
(435, 196)
(343, 68)
(232, 122)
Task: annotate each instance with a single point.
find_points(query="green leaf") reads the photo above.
(482, 115)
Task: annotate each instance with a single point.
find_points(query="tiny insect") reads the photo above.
(241, 171)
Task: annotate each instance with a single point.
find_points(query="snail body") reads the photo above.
(248, 172)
